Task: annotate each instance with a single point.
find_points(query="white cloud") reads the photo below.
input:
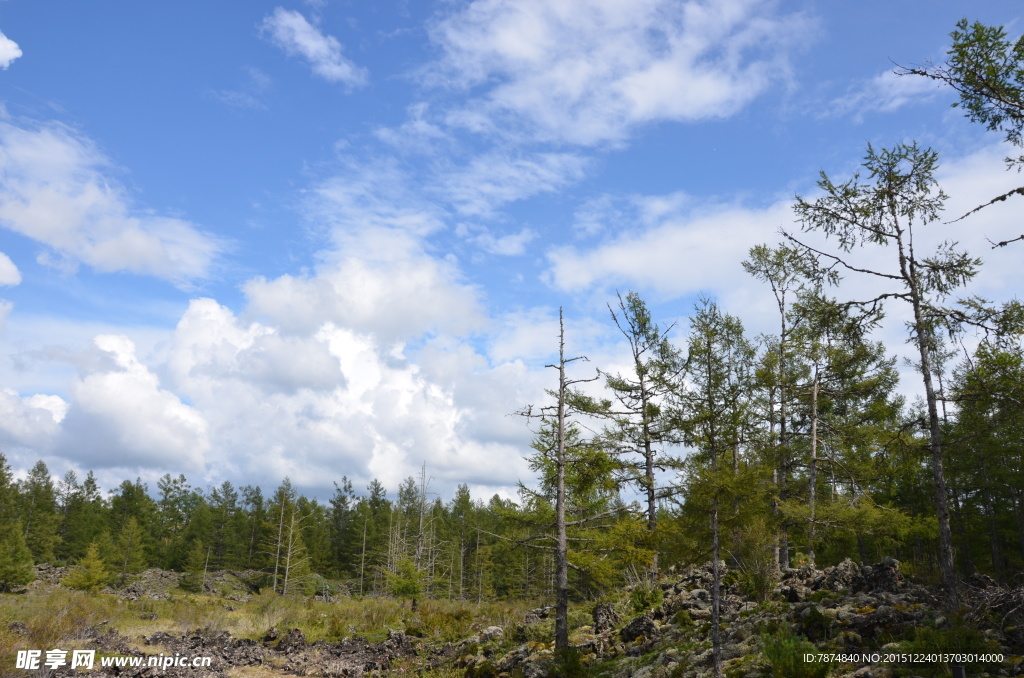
(380, 281)
(675, 253)
(586, 72)
(9, 273)
(246, 96)
(495, 179)
(290, 31)
(32, 422)
(363, 410)
(9, 51)
(884, 93)
(53, 189)
(371, 196)
(120, 416)
(416, 134)
(380, 275)
(512, 244)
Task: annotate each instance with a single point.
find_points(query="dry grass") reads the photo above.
(58, 618)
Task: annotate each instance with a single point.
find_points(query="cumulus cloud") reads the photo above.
(120, 416)
(54, 189)
(290, 31)
(9, 51)
(381, 282)
(353, 408)
(31, 422)
(586, 72)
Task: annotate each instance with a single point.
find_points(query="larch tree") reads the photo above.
(987, 71)
(705, 410)
(899, 196)
(16, 566)
(38, 514)
(560, 415)
(782, 268)
(641, 421)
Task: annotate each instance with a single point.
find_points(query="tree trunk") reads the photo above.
(562, 543)
(921, 331)
(813, 475)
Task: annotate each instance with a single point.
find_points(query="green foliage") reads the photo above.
(987, 71)
(195, 568)
(755, 559)
(407, 580)
(129, 553)
(683, 618)
(90, 574)
(38, 512)
(569, 664)
(960, 637)
(16, 567)
(785, 652)
(644, 596)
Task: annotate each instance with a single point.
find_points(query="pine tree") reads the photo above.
(987, 71)
(83, 516)
(783, 269)
(557, 458)
(176, 507)
(344, 530)
(226, 526)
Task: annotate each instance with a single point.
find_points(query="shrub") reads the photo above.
(644, 596)
(569, 664)
(91, 573)
(960, 637)
(758, 573)
(785, 651)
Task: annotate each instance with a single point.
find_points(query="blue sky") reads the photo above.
(249, 240)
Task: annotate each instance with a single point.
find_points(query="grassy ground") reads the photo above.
(57, 618)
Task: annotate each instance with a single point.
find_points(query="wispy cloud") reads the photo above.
(884, 93)
(55, 190)
(511, 244)
(247, 95)
(290, 31)
(587, 72)
(495, 179)
(678, 249)
(9, 51)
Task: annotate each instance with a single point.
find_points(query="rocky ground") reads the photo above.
(158, 584)
(845, 609)
(278, 653)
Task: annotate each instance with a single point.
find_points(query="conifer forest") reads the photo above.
(734, 459)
